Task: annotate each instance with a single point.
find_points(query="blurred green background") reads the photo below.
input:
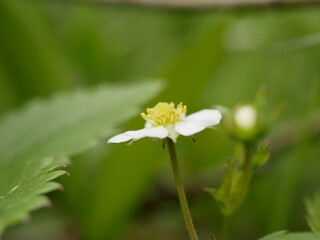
(206, 58)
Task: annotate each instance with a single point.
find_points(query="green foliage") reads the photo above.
(50, 45)
(229, 189)
(282, 235)
(313, 209)
(36, 138)
(190, 70)
(30, 57)
(274, 235)
(262, 155)
(234, 183)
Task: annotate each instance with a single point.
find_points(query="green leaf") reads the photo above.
(228, 190)
(291, 236)
(262, 155)
(67, 124)
(273, 235)
(313, 209)
(28, 60)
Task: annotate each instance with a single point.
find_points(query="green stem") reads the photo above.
(180, 190)
(246, 176)
(225, 227)
(245, 182)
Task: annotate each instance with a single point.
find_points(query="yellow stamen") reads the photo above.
(164, 114)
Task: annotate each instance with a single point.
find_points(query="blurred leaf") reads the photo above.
(262, 155)
(291, 236)
(274, 235)
(313, 209)
(7, 97)
(30, 56)
(297, 44)
(64, 125)
(228, 191)
(118, 185)
(191, 69)
(291, 169)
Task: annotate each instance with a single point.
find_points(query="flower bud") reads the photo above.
(244, 123)
(245, 117)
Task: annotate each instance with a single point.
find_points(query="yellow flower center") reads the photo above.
(164, 114)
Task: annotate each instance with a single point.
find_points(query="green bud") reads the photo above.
(244, 123)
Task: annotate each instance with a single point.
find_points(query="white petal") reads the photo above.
(157, 132)
(207, 117)
(136, 134)
(187, 128)
(154, 132)
(129, 135)
(198, 121)
(119, 138)
(147, 124)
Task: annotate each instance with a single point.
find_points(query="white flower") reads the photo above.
(245, 117)
(164, 120)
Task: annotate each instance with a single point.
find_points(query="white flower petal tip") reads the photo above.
(198, 121)
(154, 132)
(119, 138)
(208, 117)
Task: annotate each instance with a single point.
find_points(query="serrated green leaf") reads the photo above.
(291, 236)
(66, 124)
(313, 209)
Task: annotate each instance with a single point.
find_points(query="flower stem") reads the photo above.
(180, 190)
(224, 231)
(246, 175)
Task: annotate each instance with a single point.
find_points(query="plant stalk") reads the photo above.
(246, 175)
(225, 227)
(181, 193)
(245, 182)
